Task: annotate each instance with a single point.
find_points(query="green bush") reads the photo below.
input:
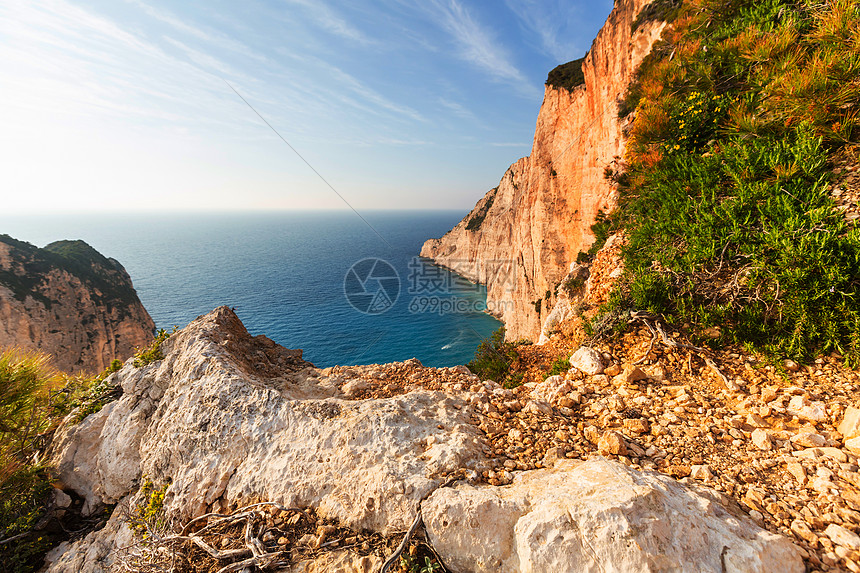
(23, 497)
(33, 400)
(25, 384)
(148, 515)
(493, 358)
(86, 394)
(726, 202)
(567, 76)
(560, 366)
(658, 10)
(478, 218)
(152, 353)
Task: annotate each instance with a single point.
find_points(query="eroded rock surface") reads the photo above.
(224, 432)
(227, 418)
(597, 516)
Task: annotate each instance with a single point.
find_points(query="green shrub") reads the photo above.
(152, 353)
(478, 218)
(602, 228)
(573, 284)
(658, 10)
(493, 358)
(726, 202)
(33, 400)
(25, 385)
(148, 515)
(86, 394)
(23, 503)
(559, 366)
(567, 76)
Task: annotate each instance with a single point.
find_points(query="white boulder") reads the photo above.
(224, 428)
(801, 407)
(587, 360)
(597, 516)
(849, 427)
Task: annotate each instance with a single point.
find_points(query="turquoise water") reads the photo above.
(285, 275)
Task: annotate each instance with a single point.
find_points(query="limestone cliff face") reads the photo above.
(69, 301)
(522, 237)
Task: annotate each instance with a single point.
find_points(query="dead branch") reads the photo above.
(403, 543)
(651, 345)
(731, 386)
(415, 524)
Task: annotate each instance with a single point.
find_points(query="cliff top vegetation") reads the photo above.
(728, 197)
(34, 400)
(77, 258)
(567, 76)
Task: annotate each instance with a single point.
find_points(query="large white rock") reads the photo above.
(587, 360)
(597, 516)
(228, 418)
(801, 407)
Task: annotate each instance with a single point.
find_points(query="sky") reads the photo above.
(129, 105)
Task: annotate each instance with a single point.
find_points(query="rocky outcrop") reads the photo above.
(522, 237)
(70, 302)
(597, 516)
(587, 285)
(226, 418)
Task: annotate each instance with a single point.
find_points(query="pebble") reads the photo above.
(808, 440)
(841, 536)
(761, 439)
(612, 443)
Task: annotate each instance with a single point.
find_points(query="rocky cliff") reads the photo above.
(345, 456)
(522, 237)
(69, 301)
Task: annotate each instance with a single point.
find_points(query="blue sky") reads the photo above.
(123, 105)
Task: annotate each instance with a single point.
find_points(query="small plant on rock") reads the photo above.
(493, 358)
(560, 366)
(148, 516)
(152, 353)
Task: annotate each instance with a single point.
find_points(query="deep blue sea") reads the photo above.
(288, 276)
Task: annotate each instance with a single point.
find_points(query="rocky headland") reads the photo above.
(69, 301)
(521, 237)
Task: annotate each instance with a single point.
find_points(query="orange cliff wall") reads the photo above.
(538, 222)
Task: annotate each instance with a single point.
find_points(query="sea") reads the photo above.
(346, 289)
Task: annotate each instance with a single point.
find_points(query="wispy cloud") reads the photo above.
(457, 109)
(213, 37)
(476, 43)
(330, 21)
(370, 95)
(202, 59)
(553, 25)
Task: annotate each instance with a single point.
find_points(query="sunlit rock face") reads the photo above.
(69, 301)
(533, 225)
